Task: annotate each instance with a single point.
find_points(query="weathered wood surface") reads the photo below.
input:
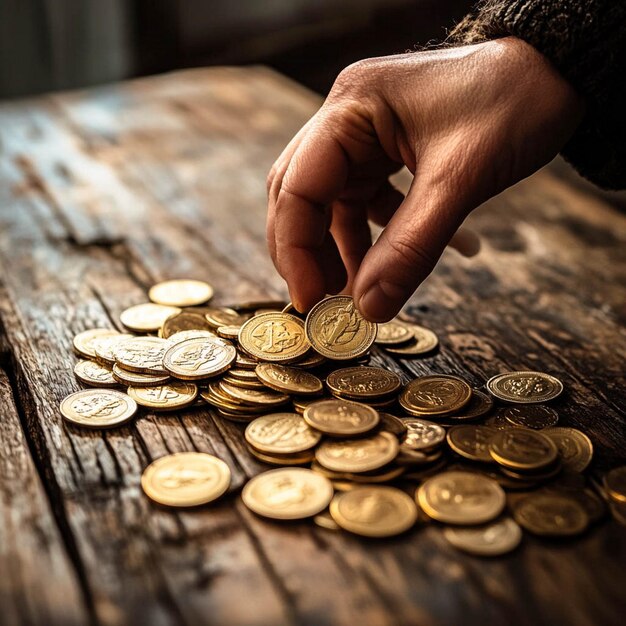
(103, 193)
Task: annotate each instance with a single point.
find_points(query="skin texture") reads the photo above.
(467, 122)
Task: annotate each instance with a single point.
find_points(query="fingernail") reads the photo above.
(381, 301)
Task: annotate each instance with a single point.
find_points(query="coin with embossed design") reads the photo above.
(533, 416)
(550, 515)
(183, 335)
(187, 320)
(575, 448)
(84, 342)
(435, 395)
(337, 330)
(465, 498)
(393, 333)
(195, 359)
(94, 374)
(288, 493)
(98, 408)
(186, 479)
(525, 387)
(181, 292)
(422, 434)
(363, 382)
(341, 417)
(169, 397)
(493, 539)
(105, 345)
(358, 455)
(265, 397)
(424, 341)
(523, 449)
(374, 511)
(274, 337)
(136, 379)
(281, 433)
(471, 442)
(288, 379)
(147, 317)
(224, 316)
(142, 354)
(480, 404)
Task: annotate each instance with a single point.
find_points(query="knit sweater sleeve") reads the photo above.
(586, 41)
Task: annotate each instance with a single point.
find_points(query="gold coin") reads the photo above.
(281, 433)
(471, 442)
(550, 515)
(98, 408)
(424, 341)
(614, 483)
(194, 359)
(480, 404)
(575, 448)
(84, 342)
(265, 397)
(142, 354)
(94, 374)
(183, 335)
(300, 458)
(174, 395)
(244, 384)
(244, 362)
(274, 337)
(341, 417)
(522, 449)
(311, 360)
(186, 479)
(228, 332)
(288, 379)
(337, 330)
(324, 520)
(288, 493)
(422, 434)
(181, 292)
(525, 387)
(392, 424)
(435, 395)
(104, 346)
(224, 316)
(362, 382)
(374, 511)
(358, 455)
(146, 318)
(464, 498)
(135, 379)
(493, 539)
(531, 416)
(393, 333)
(186, 320)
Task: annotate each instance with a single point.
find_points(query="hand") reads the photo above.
(467, 122)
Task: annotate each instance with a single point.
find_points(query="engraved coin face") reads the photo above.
(194, 359)
(422, 434)
(525, 387)
(288, 493)
(493, 539)
(550, 515)
(461, 498)
(169, 397)
(186, 479)
(337, 330)
(288, 379)
(135, 379)
(531, 416)
(424, 341)
(274, 337)
(84, 342)
(435, 395)
(263, 397)
(142, 354)
(363, 382)
(575, 448)
(94, 374)
(471, 442)
(480, 404)
(105, 346)
(374, 511)
(146, 318)
(98, 408)
(614, 482)
(181, 292)
(521, 448)
(183, 335)
(358, 455)
(341, 417)
(186, 320)
(281, 433)
(393, 333)
(223, 316)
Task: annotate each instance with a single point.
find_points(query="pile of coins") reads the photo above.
(314, 408)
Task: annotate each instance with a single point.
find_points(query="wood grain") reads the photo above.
(103, 193)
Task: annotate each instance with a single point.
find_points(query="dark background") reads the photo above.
(62, 44)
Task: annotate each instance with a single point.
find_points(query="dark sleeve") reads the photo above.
(586, 41)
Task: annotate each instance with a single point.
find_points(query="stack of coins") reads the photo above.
(354, 446)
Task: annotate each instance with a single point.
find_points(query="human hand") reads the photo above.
(468, 122)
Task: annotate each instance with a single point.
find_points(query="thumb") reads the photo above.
(407, 250)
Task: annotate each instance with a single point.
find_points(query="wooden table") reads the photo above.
(103, 193)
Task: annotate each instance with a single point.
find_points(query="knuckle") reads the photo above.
(352, 78)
